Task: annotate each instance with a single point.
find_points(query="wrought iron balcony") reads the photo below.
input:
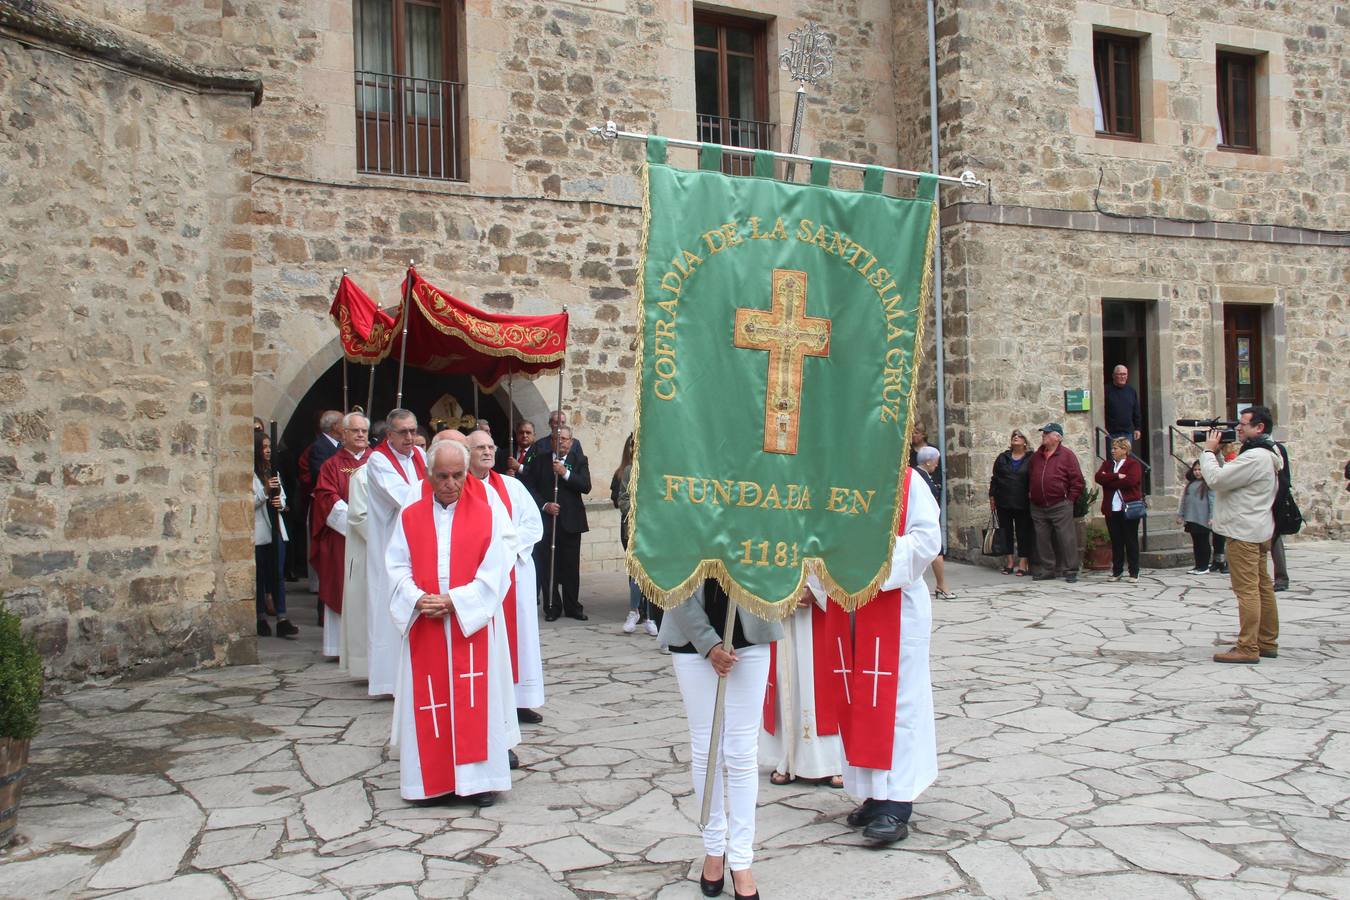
(736, 133)
(409, 126)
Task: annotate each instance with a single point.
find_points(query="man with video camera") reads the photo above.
(1244, 492)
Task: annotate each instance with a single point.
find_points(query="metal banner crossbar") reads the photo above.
(611, 132)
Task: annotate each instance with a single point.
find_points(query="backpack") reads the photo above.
(1288, 518)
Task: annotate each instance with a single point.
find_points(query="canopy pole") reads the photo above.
(510, 412)
(553, 540)
(346, 396)
(370, 391)
(611, 132)
(407, 312)
(475, 400)
(719, 715)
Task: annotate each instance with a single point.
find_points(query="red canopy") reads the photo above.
(447, 335)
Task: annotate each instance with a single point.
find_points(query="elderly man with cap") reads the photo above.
(1056, 484)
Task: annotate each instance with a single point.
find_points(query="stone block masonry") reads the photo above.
(125, 352)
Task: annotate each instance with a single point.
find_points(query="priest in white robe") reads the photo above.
(397, 469)
(450, 560)
(520, 604)
(800, 736)
(354, 642)
(890, 744)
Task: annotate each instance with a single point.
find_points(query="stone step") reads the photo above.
(1166, 559)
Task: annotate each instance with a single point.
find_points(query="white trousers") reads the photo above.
(731, 822)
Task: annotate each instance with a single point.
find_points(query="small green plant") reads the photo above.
(1085, 502)
(20, 680)
(1097, 537)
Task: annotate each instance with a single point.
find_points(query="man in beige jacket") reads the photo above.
(1244, 492)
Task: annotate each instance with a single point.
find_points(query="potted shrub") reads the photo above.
(1097, 547)
(20, 697)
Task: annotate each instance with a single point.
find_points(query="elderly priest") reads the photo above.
(450, 561)
(328, 524)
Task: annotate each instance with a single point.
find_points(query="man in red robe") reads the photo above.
(328, 524)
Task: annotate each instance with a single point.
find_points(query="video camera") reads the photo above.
(1229, 435)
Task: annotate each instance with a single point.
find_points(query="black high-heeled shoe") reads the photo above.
(739, 896)
(712, 888)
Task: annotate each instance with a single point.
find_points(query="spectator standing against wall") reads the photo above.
(1009, 500)
(1056, 484)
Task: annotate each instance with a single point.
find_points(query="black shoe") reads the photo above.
(512, 760)
(265, 630)
(1281, 584)
(886, 829)
(1269, 654)
(711, 888)
(1042, 578)
(1072, 579)
(285, 629)
(863, 814)
(550, 617)
(483, 800)
(438, 800)
(579, 616)
(528, 716)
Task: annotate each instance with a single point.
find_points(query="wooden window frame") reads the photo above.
(1224, 63)
(759, 57)
(1106, 48)
(453, 150)
(1254, 330)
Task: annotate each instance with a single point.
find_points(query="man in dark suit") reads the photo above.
(564, 521)
(311, 460)
(506, 463)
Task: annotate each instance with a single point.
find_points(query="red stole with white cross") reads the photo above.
(509, 604)
(446, 673)
(419, 466)
(869, 731)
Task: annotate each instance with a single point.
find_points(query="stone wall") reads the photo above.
(1024, 304)
(125, 360)
(1024, 89)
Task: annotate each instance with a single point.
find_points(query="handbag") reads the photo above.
(992, 544)
(1135, 509)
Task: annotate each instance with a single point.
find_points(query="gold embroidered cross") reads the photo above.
(789, 336)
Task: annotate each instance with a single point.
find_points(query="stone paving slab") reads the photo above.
(1088, 749)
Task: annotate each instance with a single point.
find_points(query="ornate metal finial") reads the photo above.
(810, 58)
(609, 132)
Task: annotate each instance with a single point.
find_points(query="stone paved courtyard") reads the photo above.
(1089, 749)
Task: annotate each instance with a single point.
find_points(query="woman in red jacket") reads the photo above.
(1121, 477)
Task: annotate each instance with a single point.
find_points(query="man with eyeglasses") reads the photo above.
(397, 469)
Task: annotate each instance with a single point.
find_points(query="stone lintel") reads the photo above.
(1039, 217)
(60, 27)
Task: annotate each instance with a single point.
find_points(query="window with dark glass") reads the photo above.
(409, 105)
(1237, 102)
(1115, 61)
(731, 85)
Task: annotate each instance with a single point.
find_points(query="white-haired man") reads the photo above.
(397, 469)
(328, 525)
(450, 562)
(520, 603)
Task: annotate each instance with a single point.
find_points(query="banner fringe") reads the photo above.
(769, 610)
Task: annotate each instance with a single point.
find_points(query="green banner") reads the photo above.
(780, 328)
